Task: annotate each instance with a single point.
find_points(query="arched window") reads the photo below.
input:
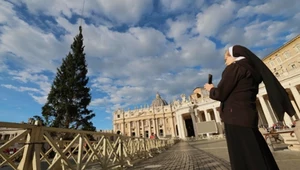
(297, 47)
(286, 54)
(272, 64)
(278, 59)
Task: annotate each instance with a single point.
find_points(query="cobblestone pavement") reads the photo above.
(183, 156)
(286, 159)
(208, 154)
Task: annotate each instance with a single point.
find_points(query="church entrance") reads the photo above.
(189, 127)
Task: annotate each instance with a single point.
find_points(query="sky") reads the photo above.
(134, 48)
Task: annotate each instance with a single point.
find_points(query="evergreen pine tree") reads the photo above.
(69, 97)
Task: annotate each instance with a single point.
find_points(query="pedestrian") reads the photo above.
(152, 136)
(237, 92)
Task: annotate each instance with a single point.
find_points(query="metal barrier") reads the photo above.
(37, 147)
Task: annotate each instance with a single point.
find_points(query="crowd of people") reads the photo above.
(279, 126)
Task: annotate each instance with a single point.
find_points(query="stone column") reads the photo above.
(164, 126)
(218, 121)
(173, 129)
(207, 118)
(296, 95)
(154, 125)
(180, 127)
(138, 128)
(123, 128)
(296, 109)
(183, 127)
(143, 128)
(217, 115)
(194, 123)
(197, 115)
(297, 130)
(157, 126)
(129, 128)
(287, 120)
(266, 111)
(115, 126)
(150, 130)
(271, 111)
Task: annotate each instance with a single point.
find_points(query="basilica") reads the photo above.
(198, 115)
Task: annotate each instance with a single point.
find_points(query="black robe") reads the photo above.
(278, 96)
(237, 92)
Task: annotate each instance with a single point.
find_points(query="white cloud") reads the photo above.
(180, 5)
(178, 28)
(199, 51)
(3, 66)
(31, 48)
(6, 11)
(125, 11)
(271, 7)
(39, 99)
(20, 89)
(261, 34)
(211, 20)
(28, 77)
(99, 102)
(103, 80)
(118, 11)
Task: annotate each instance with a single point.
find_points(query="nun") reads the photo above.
(237, 92)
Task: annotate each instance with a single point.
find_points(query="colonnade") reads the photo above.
(161, 126)
(267, 118)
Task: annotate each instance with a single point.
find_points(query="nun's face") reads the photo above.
(228, 58)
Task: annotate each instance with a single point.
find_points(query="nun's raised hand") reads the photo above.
(208, 86)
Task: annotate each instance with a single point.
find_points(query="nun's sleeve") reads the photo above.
(230, 77)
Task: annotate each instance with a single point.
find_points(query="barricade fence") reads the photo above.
(35, 147)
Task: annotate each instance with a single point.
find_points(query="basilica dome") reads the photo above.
(158, 101)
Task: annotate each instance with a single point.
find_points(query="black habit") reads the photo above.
(237, 92)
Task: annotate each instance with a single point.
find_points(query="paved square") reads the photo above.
(207, 155)
(183, 156)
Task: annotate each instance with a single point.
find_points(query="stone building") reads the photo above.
(198, 114)
(159, 118)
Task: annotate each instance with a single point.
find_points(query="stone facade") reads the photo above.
(180, 118)
(8, 133)
(159, 118)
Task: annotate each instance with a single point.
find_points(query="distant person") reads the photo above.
(294, 124)
(152, 136)
(274, 135)
(237, 92)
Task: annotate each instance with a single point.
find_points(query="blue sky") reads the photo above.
(133, 48)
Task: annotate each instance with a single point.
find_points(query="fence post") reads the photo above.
(121, 152)
(59, 165)
(33, 145)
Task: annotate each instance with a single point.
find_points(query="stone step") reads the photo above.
(288, 139)
(294, 147)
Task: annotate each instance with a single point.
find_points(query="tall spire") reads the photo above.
(80, 29)
(82, 13)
